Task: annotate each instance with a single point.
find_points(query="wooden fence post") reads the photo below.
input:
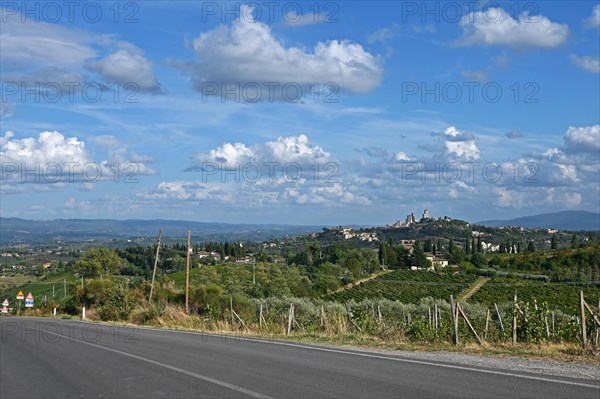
(231, 311)
(468, 322)
(514, 323)
(290, 318)
(429, 317)
(454, 319)
(487, 323)
(435, 315)
(583, 326)
(499, 319)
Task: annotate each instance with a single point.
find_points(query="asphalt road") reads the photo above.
(62, 358)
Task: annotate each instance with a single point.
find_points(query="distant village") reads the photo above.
(437, 260)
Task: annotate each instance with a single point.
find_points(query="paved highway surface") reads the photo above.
(63, 358)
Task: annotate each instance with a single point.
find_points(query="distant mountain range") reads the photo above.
(15, 230)
(565, 220)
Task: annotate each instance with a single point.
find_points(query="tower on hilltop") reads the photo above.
(426, 214)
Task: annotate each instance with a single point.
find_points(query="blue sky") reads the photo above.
(299, 112)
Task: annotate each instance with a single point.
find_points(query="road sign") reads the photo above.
(20, 295)
(4, 309)
(29, 301)
(5, 303)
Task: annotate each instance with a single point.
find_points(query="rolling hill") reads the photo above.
(565, 220)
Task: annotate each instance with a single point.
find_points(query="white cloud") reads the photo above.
(44, 52)
(53, 159)
(47, 148)
(401, 156)
(32, 43)
(283, 150)
(496, 27)
(248, 52)
(573, 199)
(6, 109)
(588, 63)
(293, 19)
(509, 198)
(477, 76)
(125, 67)
(460, 145)
(583, 139)
(105, 140)
(381, 35)
(594, 20)
(287, 170)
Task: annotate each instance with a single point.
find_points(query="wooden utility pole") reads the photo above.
(187, 276)
(254, 271)
(155, 264)
(65, 286)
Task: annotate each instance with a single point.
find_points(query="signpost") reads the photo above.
(20, 297)
(5, 305)
(29, 301)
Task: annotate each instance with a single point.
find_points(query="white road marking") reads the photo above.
(346, 352)
(396, 359)
(173, 368)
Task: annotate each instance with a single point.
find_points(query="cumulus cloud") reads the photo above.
(288, 149)
(125, 67)
(496, 27)
(587, 63)
(48, 147)
(460, 145)
(594, 20)
(287, 170)
(583, 139)
(53, 159)
(249, 53)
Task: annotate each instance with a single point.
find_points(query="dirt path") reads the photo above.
(362, 280)
(468, 293)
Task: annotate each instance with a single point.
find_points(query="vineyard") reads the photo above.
(563, 297)
(406, 286)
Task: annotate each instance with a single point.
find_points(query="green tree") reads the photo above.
(383, 258)
(479, 245)
(531, 246)
(99, 261)
(428, 246)
(553, 244)
(419, 258)
(451, 247)
(574, 241)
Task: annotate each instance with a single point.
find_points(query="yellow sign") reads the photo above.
(20, 295)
